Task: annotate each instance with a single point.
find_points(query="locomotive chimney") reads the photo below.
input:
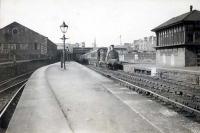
(191, 8)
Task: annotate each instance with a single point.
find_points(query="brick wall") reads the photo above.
(190, 56)
(171, 57)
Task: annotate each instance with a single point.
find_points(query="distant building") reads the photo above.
(178, 40)
(146, 44)
(137, 44)
(121, 49)
(83, 44)
(19, 42)
(78, 51)
(68, 46)
(94, 43)
(128, 44)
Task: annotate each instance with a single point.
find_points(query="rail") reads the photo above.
(11, 100)
(11, 79)
(8, 108)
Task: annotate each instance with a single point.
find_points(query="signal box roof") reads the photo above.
(193, 15)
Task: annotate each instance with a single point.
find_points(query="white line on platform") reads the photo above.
(123, 88)
(131, 92)
(129, 105)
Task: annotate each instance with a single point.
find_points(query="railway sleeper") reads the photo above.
(132, 88)
(185, 111)
(178, 92)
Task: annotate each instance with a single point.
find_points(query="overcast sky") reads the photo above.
(104, 19)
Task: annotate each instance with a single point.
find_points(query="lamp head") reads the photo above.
(64, 27)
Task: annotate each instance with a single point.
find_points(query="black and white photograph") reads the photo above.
(99, 66)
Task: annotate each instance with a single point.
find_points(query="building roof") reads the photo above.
(25, 34)
(15, 24)
(189, 16)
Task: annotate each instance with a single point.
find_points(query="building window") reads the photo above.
(183, 35)
(1, 48)
(178, 38)
(165, 41)
(6, 46)
(190, 27)
(14, 31)
(197, 37)
(190, 37)
(36, 46)
(180, 35)
(166, 36)
(175, 38)
(170, 37)
(23, 46)
(13, 46)
(161, 38)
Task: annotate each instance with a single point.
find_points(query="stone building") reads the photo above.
(137, 43)
(68, 46)
(178, 40)
(21, 43)
(146, 44)
(69, 50)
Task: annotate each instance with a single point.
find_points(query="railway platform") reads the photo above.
(79, 100)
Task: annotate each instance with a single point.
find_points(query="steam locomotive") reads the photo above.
(103, 57)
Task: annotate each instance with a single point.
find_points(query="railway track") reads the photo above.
(10, 92)
(181, 97)
(6, 83)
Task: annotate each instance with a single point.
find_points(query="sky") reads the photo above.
(104, 20)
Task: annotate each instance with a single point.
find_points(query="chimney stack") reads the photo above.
(191, 7)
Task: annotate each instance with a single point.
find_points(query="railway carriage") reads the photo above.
(90, 58)
(102, 57)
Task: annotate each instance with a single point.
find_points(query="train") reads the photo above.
(106, 57)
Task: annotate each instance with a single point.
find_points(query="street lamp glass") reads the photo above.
(64, 27)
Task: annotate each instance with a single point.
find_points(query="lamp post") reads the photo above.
(63, 29)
